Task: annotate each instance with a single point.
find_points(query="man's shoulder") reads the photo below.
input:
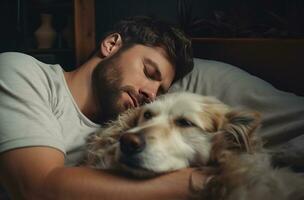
(14, 58)
(14, 65)
(13, 55)
(24, 75)
(11, 61)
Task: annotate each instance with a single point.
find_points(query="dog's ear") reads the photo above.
(239, 130)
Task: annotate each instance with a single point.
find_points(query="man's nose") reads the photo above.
(148, 96)
(149, 92)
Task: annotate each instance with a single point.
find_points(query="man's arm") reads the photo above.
(39, 173)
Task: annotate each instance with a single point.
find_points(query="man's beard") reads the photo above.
(107, 89)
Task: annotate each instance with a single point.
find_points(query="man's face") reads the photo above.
(129, 78)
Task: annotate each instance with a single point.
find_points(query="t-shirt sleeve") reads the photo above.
(26, 116)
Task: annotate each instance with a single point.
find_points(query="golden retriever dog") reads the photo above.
(182, 130)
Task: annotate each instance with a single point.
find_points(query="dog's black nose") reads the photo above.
(132, 143)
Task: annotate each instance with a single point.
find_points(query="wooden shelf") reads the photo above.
(84, 15)
(73, 21)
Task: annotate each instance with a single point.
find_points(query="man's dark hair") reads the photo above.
(156, 33)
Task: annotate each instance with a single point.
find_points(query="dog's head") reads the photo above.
(181, 130)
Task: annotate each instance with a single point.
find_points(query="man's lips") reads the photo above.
(134, 100)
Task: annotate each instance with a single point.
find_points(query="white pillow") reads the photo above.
(282, 113)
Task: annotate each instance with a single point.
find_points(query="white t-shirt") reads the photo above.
(37, 108)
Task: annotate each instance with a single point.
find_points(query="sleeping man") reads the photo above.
(47, 113)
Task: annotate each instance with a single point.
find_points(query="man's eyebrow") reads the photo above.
(155, 66)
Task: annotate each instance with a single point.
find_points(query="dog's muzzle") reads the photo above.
(131, 144)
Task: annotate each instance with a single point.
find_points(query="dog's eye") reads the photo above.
(182, 122)
(148, 114)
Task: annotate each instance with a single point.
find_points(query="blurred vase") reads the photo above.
(45, 34)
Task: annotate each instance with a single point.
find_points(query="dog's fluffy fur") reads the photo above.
(188, 130)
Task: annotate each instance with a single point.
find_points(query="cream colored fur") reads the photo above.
(189, 130)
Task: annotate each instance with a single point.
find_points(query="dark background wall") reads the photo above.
(217, 18)
(110, 11)
(280, 20)
(212, 18)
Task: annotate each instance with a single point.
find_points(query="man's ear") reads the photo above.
(110, 44)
